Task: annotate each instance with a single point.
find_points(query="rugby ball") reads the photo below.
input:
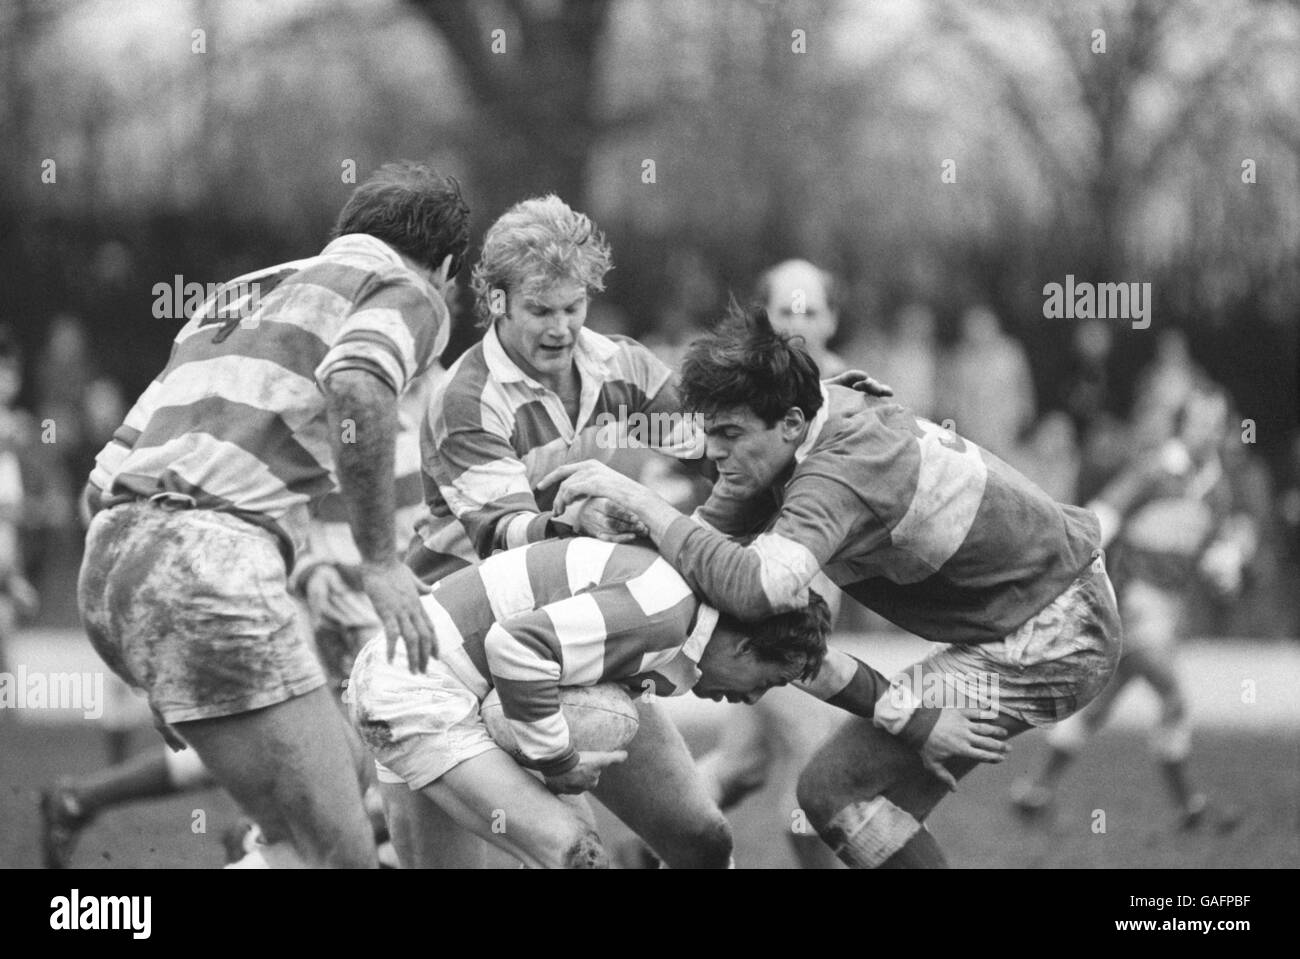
(601, 718)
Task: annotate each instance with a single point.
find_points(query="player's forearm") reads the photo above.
(519, 529)
(848, 683)
(363, 420)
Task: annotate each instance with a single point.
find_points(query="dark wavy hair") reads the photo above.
(745, 362)
(414, 209)
(798, 636)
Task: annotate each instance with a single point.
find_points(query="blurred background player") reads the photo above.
(1175, 522)
(772, 742)
(342, 618)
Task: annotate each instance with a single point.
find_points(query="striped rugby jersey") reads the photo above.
(237, 421)
(567, 612)
(913, 521)
(329, 534)
(493, 433)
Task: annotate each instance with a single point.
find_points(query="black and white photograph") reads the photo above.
(651, 434)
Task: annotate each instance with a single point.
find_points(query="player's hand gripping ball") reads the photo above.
(601, 718)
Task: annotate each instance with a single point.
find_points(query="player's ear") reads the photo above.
(792, 424)
(444, 270)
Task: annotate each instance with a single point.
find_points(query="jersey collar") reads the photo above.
(815, 427)
(706, 621)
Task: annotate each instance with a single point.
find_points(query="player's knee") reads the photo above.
(822, 790)
(812, 794)
(583, 850)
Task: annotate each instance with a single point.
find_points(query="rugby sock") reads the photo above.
(811, 853)
(1174, 773)
(921, 852)
(867, 833)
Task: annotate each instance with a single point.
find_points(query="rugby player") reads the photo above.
(566, 612)
(911, 520)
(341, 618)
(540, 390)
(1177, 523)
(205, 492)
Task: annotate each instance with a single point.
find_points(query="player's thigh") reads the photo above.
(1158, 667)
(659, 793)
(290, 767)
(424, 835)
(493, 797)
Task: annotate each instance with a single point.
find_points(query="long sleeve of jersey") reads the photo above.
(772, 573)
(848, 683)
(468, 458)
(603, 634)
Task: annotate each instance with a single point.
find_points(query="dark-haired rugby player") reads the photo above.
(911, 520)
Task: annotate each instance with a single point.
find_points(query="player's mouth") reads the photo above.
(546, 349)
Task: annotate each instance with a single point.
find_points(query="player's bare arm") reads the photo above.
(363, 411)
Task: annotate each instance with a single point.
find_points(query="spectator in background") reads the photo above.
(62, 372)
(1162, 389)
(31, 499)
(1049, 456)
(802, 300)
(1086, 397)
(1085, 392)
(18, 439)
(988, 381)
(907, 362)
(1288, 508)
(78, 409)
(692, 296)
